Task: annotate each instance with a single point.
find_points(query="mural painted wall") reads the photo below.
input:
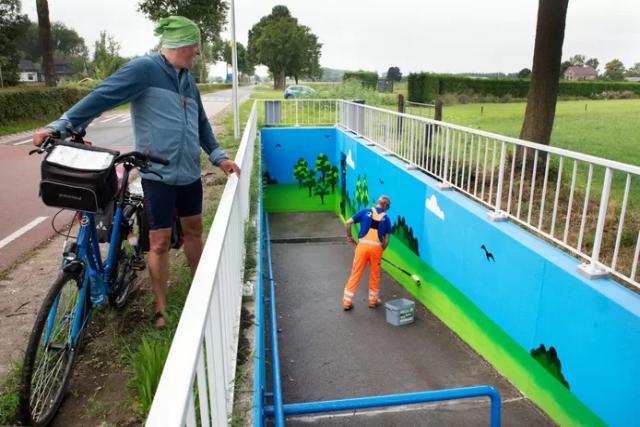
(516, 299)
(300, 171)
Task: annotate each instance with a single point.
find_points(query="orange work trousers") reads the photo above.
(372, 255)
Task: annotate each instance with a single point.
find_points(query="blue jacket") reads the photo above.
(166, 111)
(364, 218)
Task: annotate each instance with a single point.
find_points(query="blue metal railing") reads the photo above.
(277, 408)
(396, 400)
(259, 365)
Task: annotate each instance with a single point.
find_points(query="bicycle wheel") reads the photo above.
(125, 276)
(50, 354)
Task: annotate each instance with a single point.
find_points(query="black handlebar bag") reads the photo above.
(78, 177)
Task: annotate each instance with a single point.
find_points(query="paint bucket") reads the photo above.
(400, 312)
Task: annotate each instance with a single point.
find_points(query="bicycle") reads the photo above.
(85, 280)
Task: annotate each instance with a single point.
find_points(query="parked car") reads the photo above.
(298, 91)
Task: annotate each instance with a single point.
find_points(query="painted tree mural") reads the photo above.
(332, 178)
(365, 192)
(310, 180)
(322, 165)
(550, 361)
(358, 192)
(404, 234)
(321, 189)
(300, 171)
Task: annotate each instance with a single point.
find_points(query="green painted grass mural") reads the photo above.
(291, 198)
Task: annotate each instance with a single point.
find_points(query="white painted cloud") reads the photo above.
(432, 205)
(350, 161)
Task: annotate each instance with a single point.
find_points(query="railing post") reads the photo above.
(594, 270)
(498, 214)
(445, 184)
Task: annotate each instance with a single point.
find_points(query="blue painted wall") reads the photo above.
(531, 290)
(282, 149)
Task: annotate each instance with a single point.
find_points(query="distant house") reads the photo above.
(28, 71)
(580, 73)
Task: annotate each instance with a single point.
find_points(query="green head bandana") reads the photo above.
(177, 31)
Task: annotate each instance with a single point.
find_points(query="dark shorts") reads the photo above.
(160, 201)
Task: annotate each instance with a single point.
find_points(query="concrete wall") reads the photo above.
(527, 287)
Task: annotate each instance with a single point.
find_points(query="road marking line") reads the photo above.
(10, 238)
(126, 119)
(111, 118)
(22, 142)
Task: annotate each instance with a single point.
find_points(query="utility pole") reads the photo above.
(234, 64)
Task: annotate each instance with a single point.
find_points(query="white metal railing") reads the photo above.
(577, 201)
(199, 373)
(298, 112)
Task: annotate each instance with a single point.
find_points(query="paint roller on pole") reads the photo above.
(414, 277)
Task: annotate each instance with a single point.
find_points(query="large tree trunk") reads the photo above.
(46, 45)
(279, 80)
(545, 74)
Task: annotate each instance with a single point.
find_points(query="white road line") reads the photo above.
(10, 238)
(117, 116)
(126, 119)
(22, 142)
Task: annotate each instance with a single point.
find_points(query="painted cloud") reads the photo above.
(350, 161)
(432, 205)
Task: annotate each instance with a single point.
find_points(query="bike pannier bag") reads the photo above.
(78, 177)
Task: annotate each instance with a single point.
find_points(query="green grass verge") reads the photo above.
(24, 125)
(9, 395)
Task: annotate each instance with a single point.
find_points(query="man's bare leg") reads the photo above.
(192, 230)
(159, 268)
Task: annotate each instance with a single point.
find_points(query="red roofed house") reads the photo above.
(580, 73)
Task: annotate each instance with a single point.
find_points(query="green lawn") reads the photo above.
(608, 128)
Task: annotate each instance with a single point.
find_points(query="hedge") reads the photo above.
(213, 87)
(33, 103)
(424, 87)
(368, 79)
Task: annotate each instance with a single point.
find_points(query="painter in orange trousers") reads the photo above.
(373, 238)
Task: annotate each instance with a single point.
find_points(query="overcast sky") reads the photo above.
(416, 35)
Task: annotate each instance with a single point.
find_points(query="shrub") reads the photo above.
(424, 87)
(368, 79)
(33, 103)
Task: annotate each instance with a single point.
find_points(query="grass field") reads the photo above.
(608, 128)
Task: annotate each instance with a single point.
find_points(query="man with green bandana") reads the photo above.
(168, 120)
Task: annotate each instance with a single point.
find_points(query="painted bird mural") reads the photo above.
(488, 254)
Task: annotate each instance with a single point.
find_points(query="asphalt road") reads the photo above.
(24, 221)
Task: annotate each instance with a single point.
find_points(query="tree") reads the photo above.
(365, 192)
(300, 171)
(12, 27)
(634, 71)
(614, 70)
(209, 15)
(358, 194)
(332, 178)
(525, 73)
(310, 180)
(106, 57)
(285, 47)
(593, 63)
(46, 43)
(321, 189)
(245, 67)
(544, 85)
(564, 66)
(394, 74)
(577, 60)
(322, 164)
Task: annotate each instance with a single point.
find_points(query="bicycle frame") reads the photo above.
(88, 252)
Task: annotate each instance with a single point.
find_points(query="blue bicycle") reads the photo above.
(82, 178)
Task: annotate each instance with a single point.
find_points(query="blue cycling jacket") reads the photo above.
(166, 111)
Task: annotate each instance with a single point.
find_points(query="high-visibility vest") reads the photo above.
(372, 238)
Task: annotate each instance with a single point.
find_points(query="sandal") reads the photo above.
(162, 314)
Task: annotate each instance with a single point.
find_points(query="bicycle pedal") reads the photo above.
(138, 264)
